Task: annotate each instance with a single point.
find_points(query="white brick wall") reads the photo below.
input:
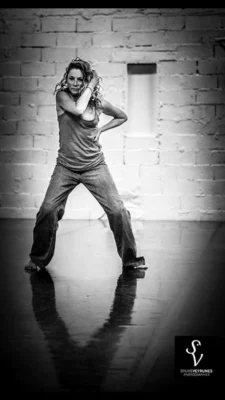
(177, 171)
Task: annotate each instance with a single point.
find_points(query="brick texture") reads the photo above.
(174, 171)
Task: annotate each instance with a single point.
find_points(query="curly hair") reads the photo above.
(87, 71)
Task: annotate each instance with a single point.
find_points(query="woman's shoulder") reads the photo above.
(61, 94)
(60, 91)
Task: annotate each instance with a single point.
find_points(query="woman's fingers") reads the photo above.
(97, 136)
(95, 77)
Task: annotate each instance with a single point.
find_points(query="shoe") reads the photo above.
(32, 267)
(137, 263)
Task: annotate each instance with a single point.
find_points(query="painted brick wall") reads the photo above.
(177, 172)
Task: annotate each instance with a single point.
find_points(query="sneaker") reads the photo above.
(32, 267)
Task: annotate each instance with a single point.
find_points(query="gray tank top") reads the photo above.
(77, 149)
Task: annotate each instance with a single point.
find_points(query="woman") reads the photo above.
(81, 160)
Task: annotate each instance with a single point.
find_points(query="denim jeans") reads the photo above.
(100, 183)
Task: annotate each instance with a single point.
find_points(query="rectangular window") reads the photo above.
(141, 98)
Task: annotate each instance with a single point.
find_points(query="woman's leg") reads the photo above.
(51, 211)
(100, 183)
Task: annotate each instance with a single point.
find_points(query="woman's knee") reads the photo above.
(47, 208)
(118, 210)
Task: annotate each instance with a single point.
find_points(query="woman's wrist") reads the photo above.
(88, 87)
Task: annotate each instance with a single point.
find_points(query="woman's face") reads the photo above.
(75, 81)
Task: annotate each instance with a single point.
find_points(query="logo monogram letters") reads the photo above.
(198, 343)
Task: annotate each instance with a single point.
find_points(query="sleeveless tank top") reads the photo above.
(77, 149)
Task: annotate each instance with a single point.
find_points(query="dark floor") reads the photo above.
(83, 325)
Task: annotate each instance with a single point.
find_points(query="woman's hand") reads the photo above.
(94, 80)
(98, 135)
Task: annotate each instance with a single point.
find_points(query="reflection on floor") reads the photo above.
(85, 325)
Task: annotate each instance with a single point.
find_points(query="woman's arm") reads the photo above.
(119, 116)
(79, 106)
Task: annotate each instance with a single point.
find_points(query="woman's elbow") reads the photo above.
(124, 117)
(78, 111)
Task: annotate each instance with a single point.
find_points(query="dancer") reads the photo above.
(81, 160)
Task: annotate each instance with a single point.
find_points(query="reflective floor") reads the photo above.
(84, 325)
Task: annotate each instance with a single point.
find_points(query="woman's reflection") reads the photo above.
(83, 368)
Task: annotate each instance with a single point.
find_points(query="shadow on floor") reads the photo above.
(83, 325)
(82, 368)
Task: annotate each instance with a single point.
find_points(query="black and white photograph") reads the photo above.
(112, 199)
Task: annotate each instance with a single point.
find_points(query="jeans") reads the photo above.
(100, 183)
